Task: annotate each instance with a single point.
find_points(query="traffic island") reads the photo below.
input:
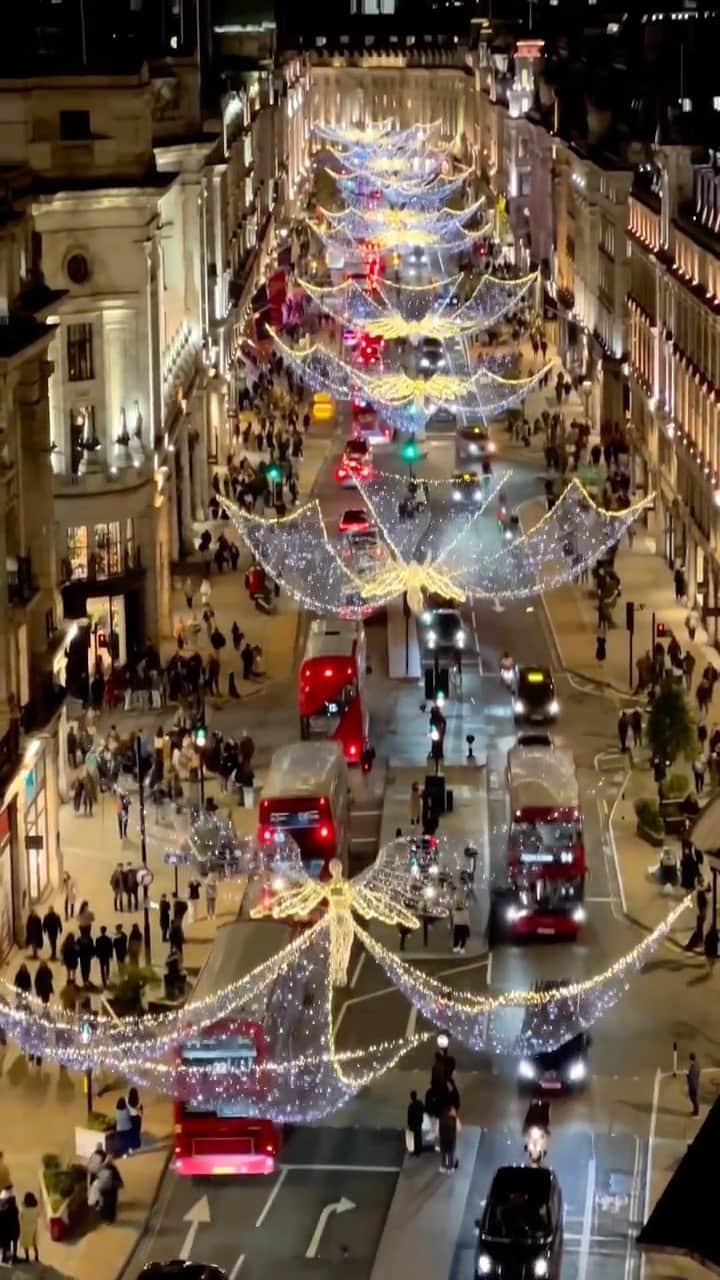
(63, 1189)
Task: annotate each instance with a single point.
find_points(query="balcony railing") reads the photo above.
(98, 568)
(21, 587)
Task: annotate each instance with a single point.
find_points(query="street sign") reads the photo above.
(33, 842)
(145, 877)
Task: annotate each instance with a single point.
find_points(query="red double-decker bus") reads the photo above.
(546, 864)
(331, 686)
(218, 1138)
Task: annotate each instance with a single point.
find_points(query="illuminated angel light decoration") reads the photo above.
(410, 167)
(394, 311)
(340, 898)
(433, 239)
(367, 224)
(376, 137)
(466, 562)
(405, 401)
(420, 195)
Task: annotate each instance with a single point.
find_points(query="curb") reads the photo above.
(124, 1264)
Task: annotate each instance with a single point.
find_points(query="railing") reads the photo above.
(97, 569)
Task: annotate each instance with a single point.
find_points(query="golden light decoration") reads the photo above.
(416, 581)
(340, 898)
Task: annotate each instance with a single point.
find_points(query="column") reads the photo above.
(119, 395)
(185, 495)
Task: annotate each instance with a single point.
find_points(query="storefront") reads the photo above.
(7, 898)
(37, 873)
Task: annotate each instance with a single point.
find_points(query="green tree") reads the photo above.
(670, 728)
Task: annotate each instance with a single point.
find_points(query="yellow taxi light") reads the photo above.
(535, 677)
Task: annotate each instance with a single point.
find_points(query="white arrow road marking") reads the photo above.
(237, 1268)
(340, 1206)
(200, 1212)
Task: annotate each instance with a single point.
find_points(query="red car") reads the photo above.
(355, 464)
(354, 520)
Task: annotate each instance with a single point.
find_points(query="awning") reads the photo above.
(684, 1219)
(705, 834)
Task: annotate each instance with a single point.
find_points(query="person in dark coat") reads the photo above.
(69, 955)
(52, 928)
(176, 937)
(34, 933)
(164, 909)
(9, 1225)
(104, 953)
(86, 951)
(447, 1136)
(23, 981)
(130, 884)
(109, 1184)
(44, 985)
(135, 942)
(120, 947)
(415, 1117)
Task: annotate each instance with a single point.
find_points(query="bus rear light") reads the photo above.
(269, 1148)
(266, 834)
(324, 832)
(328, 671)
(352, 749)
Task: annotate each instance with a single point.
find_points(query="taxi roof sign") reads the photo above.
(536, 677)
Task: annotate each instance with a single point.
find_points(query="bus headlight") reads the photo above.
(577, 1071)
(526, 1069)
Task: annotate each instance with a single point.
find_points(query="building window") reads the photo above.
(80, 353)
(108, 550)
(76, 553)
(75, 126)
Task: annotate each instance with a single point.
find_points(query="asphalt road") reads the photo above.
(253, 1227)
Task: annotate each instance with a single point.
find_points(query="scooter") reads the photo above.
(508, 675)
(536, 1142)
(265, 601)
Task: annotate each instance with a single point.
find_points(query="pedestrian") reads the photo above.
(247, 658)
(108, 1184)
(164, 910)
(623, 726)
(176, 937)
(415, 804)
(120, 947)
(123, 1126)
(52, 928)
(85, 920)
(703, 695)
(692, 622)
(5, 1179)
(205, 592)
(692, 1076)
(636, 727)
(688, 665)
(130, 882)
(122, 802)
(211, 895)
(29, 1218)
(134, 946)
(70, 895)
(86, 951)
(680, 583)
(117, 880)
(447, 1134)
(44, 985)
(104, 953)
(237, 637)
(135, 1109)
(698, 768)
(193, 899)
(702, 732)
(9, 1225)
(461, 927)
(33, 933)
(188, 592)
(415, 1117)
(69, 956)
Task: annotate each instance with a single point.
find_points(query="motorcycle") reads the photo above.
(508, 675)
(536, 1131)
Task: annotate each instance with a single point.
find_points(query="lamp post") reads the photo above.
(200, 738)
(586, 388)
(143, 852)
(410, 454)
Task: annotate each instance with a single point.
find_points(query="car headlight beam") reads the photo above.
(577, 1071)
(484, 1264)
(540, 1267)
(526, 1069)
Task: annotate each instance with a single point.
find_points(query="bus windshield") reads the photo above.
(546, 841)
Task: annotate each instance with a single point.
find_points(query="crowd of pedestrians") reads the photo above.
(434, 1122)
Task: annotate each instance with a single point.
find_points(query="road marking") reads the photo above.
(411, 1023)
(463, 968)
(366, 813)
(271, 1198)
(489, 967)
(586, 1237)
(651, 1143)
(237, 1268)
(343, 1205)
(370, 995)
(345, 1168)
(200, 1212)
(632, 1210)
(358, 969)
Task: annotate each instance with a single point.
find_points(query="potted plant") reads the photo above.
(63, 1189)
(649, 823)
(98, 1129)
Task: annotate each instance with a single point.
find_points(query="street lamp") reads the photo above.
(146, 875)
(586, 388)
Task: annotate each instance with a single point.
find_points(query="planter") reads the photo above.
(65, 1217)
(86, 1140)
(654, 838)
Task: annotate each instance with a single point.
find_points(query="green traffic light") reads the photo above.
(274, 474)
(410, 451)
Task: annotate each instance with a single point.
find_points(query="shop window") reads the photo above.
(82, 429)
(130, 543)
(76, 553)
(36, 830)
(80, 353)
(108, 549)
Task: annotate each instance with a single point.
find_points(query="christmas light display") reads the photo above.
(377, 137)
(390, 310)
(340, 239)
(407, 402)
(433, 194)
(411, 167)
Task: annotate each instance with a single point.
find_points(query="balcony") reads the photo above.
(20, 582)
(118, 563)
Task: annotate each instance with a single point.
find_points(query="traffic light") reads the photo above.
(630, 616)
(200, 735)
(410, 451)
(600, 648)
(273, 473)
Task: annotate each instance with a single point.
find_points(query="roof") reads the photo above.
(331, 639)
(303, 769)
(542, 777)
(532, 1180)
(684, 1220)
(238, 949)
